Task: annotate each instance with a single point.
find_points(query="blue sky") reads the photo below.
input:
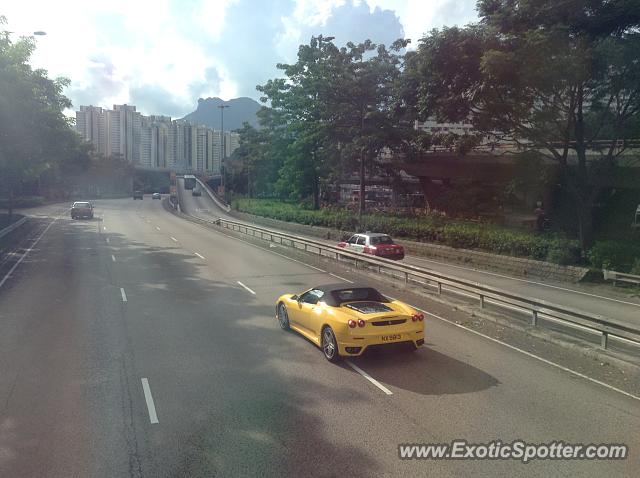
(163, 55)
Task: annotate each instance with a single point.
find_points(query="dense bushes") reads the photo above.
(435, 229)
(621, 256)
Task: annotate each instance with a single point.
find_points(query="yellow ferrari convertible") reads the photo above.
(344, 321)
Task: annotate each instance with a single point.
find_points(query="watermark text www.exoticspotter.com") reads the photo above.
(516, 450)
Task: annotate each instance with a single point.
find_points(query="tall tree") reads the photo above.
(558, 78)
(336, 104)
(300, 103)
(361, 111)
(34, 133)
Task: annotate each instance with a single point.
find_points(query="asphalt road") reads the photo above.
(605, 300)
(140, 300)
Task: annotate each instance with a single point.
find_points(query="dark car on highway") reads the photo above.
(156, 196)
(138, 195)
(81, 209)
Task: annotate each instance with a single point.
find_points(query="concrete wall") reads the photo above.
(513, 266)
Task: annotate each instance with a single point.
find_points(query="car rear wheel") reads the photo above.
(283, 317)
(330, 345)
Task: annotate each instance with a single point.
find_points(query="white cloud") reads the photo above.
(310, 12)
(420, 16)
(189, 48)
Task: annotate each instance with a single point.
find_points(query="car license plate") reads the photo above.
(391, 338)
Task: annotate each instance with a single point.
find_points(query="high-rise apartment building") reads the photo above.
(123, 125)
(154, 141)
(90, 123)
(231, 142)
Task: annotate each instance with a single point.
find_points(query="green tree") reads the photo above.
(558, 78)
(335, 105)
(361, 112)
(34, 133)
(300, 103)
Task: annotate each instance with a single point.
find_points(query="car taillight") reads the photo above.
(360, 323)
(417, 317)
(352, 323)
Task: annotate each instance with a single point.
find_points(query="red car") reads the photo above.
(380, 245)
(82, 209)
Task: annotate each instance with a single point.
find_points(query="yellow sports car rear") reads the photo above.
(346, 321)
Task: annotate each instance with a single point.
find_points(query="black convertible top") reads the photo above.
(337, 294)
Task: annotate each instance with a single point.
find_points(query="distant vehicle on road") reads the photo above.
(377, 244)
(81, 209)
(138, 195)
(345, 320)
(156, 196)
(196, 192)
(189, 181)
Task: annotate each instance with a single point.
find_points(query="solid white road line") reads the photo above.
(529, 354)
(246, 287)
(174, 239)
(199, 255)
(15, 266)
(369, 377)
(113, 258)
(341, 278)
(124, 296)
(286, 257)
(153, 417)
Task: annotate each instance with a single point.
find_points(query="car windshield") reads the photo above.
(81, 204)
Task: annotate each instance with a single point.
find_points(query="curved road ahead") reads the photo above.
(128, 347)
(596, 300)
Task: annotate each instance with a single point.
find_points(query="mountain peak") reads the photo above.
(240, 110)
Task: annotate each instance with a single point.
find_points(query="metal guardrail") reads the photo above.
(13, 226)
(536, 308)
(621, 277)
(214, 197)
